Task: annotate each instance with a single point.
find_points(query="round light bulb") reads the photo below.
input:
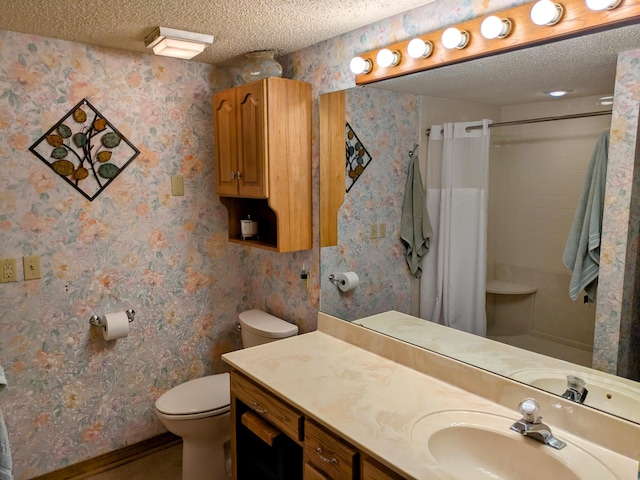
(454, 38)
(387, 58)
(418, 48)
(495, 27)
(546, 12)
(359, 65)
(598, 5)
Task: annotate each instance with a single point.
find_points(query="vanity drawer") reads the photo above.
(328, 454)
(278, 413)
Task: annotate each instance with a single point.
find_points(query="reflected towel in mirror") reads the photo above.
(415, 227)
(582, 250)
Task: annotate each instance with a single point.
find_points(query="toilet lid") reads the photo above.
(210, 393)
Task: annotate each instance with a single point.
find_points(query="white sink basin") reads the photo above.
(475, 445)
(611, 396)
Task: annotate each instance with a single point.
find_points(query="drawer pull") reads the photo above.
(332, 460)
(256, 406)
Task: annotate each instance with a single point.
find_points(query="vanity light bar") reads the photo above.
(457, 43)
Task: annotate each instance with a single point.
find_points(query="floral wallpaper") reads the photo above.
(387, 125)
(71, 395)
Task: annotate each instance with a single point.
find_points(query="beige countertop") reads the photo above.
(373, 402)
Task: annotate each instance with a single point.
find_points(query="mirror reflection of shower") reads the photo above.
(536, 176)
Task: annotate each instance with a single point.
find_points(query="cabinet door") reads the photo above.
(252, 140)
(226, 138)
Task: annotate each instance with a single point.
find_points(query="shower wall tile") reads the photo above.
(538, 174)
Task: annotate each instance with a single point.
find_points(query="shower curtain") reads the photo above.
(453, 283)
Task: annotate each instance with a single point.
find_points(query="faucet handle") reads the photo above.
(575, 382)
(529, 409)
(576, 390)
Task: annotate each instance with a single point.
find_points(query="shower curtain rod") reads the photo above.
(537, 120)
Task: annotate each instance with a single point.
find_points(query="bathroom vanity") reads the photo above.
(345, 402)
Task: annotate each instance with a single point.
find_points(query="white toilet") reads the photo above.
(198, 410)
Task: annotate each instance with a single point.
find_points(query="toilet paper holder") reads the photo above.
(96, 320)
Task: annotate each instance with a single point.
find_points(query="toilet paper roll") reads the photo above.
(116, 325)
(347, 281)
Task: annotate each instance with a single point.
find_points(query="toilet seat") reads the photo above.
(206, 396)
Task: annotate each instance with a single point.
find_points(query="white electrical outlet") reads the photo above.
(8, 270)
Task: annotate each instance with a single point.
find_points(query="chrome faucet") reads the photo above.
(530, 425)
(576, 390)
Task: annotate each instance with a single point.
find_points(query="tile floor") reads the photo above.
(164, 464)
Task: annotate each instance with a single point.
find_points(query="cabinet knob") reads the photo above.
(239, 174)
(232, 175)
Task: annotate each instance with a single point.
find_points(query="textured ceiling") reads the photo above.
(239, 26)
(584, 64)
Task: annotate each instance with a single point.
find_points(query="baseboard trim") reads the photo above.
(114, 459)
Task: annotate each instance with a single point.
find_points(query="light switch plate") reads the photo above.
(382, 230)
(8, 270)
(31, 267)
(177, 185)
(373, 230)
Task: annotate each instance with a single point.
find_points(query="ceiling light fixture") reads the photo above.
(359, 65)
(598, 5)
(546, 12)
(170, 42)
(557, 93)
(388, 58)
(454, 38)
(495, 27)
(419, 48)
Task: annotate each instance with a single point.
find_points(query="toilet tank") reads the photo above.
(258, 327)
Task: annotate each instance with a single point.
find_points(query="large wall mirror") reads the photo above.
(536, 176)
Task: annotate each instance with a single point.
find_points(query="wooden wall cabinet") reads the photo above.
(262, 136)
(271, 439)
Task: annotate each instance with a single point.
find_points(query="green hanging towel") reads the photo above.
(415, 227)
(582, 250)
